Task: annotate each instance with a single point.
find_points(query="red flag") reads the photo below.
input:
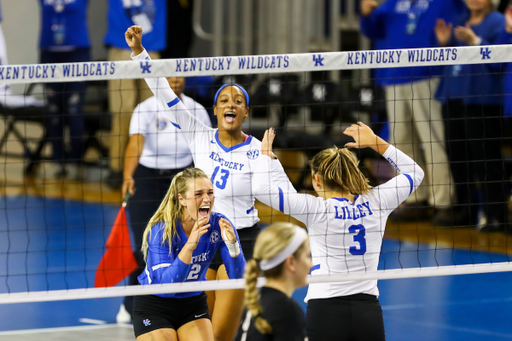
(118, 260)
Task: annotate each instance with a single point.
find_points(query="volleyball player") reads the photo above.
(178, 245)
(282, 255)
(155, 153)
(228, 156)
(346, 224)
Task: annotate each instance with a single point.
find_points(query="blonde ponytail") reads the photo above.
(252, 299)
(339, 170)
(171, 209)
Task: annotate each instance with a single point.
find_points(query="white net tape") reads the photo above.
(236, 65)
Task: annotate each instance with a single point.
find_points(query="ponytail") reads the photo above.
(339, 170)
(252, 300)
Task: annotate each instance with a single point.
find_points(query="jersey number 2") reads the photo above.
(223, 179)
(359, 237)
(194, 271)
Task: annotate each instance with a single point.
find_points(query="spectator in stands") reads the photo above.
(7, 98)
(65, 39)
(472, 106)
(156, 152)
(125, 94)
(416, 126)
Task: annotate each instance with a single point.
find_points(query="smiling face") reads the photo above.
(231, 109)
(198, 199)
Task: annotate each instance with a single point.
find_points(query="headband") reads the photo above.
(231, 84)
(298, 239)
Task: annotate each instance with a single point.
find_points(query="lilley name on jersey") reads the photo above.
(354, 212)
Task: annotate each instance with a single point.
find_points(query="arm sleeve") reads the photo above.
(188, 125)
(304, 207)
(395, 191)
(164, 268)
(280, 178)
(235, 266)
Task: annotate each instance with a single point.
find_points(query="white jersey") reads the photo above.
(230, 169)
(345, 236)
(164, 147)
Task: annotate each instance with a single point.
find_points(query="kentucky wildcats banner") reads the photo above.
(232, 65)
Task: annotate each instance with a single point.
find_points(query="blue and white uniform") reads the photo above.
(164, 266)
(230, 169)
(345, 236)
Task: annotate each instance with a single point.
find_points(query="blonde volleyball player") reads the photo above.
(282, 256)
(228, 156)
(178, 245)
(346, 224)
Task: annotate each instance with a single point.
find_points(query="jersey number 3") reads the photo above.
(359, 238)
(223, 178)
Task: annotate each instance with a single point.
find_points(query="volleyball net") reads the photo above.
(54, 233)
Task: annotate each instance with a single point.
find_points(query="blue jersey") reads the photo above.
(64, 24)
(476, 84)
(151, 15)
(164, 266)
(403, 24)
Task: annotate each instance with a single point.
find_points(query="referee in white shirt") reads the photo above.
(155, 153)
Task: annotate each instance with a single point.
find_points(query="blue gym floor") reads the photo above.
(33, 241)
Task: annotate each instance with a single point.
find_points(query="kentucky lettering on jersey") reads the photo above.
(229, 164)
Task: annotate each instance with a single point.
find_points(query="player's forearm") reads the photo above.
(176, 272)
(185, 254)
(380, 145)
(131, 160)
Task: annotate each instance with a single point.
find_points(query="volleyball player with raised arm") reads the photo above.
(346, 224)
(228, 156)
(282, 256)
(178, 245)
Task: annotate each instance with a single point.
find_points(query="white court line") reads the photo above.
(91, 321)
(62, 329)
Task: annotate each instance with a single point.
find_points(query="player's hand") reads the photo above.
(465, 34)
(364, 137)
(201, 226)
(367, 7)
(133, 37)
(266, 143)
(128, 186)
(443, 32)
(227, 231)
